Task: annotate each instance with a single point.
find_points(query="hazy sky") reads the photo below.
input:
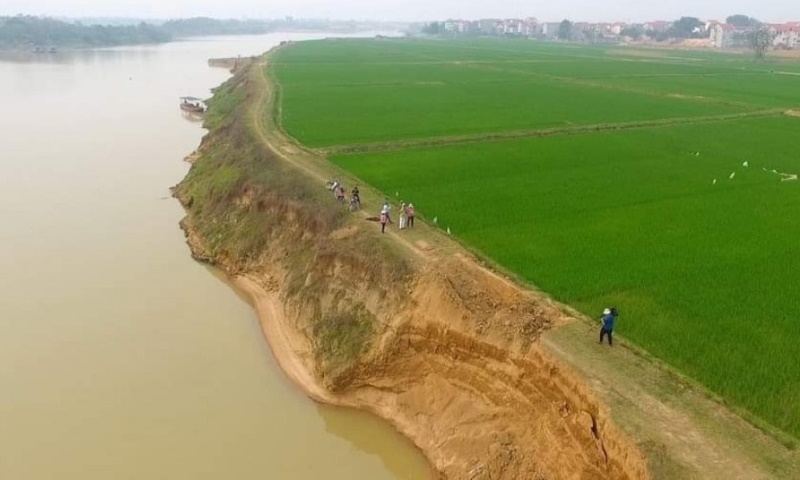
(591, 10)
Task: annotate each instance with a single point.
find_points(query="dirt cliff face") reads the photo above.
(441, 347)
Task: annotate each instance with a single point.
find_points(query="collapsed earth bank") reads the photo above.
(445, 350)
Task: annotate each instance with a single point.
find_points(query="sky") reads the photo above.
(412, 10)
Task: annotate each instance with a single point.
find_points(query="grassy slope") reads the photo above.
(245, 204)
(704, 274)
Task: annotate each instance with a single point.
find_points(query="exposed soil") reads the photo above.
(458, 361)
(192, 157)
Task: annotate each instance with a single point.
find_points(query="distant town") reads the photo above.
(737, 31)
(45, 34)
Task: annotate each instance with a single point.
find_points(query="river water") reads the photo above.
(120, 357)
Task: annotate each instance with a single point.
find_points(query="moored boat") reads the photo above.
(193, 105)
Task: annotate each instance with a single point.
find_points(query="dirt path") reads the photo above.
(469, 404)
(685, 432)
(313, 165)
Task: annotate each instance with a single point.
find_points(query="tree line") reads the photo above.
(24, 31)
(27, 31)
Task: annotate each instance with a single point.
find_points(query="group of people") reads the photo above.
(339, 192)
(406, 220)
(407, 212)
(407, 215)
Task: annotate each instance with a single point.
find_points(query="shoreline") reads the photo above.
(285, 348)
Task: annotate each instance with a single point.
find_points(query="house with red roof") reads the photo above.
(786, 35)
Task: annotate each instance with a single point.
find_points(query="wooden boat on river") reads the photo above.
(193, 105)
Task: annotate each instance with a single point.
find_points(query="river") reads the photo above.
(120, 357)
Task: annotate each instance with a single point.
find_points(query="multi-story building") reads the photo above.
(786, 35)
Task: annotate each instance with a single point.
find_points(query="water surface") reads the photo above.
(120, 357)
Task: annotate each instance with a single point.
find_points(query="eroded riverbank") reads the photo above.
(413, 330)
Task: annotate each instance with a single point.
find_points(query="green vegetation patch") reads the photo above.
(351, 92)
(343, 336)
(690, 229)
(236, 193)
(698, 251)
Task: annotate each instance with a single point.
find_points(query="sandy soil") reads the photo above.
(475, 409)
(460, 364)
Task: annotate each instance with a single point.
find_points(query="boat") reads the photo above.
(193, 105)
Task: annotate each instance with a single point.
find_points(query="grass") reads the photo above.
(343, 336)
(429, 92)
(704, 273)
(250, 209)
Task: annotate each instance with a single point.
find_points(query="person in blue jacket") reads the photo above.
(609, 315)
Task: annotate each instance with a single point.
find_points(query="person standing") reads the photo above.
(384, 220)
(410, 215)
(402, 222)
(609, 315)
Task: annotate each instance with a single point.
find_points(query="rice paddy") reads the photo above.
(689, 227)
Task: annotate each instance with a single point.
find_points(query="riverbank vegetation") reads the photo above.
(28, 32)
(685, 226)
(42, 34)
(247, 209)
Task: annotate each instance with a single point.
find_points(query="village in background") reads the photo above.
(736, 32)
(44, 34)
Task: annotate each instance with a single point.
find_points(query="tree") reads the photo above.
(632, 32)
(590, 35)
(760, 40)
(565, 30)
(434, 28)
(42, 32)
(742, 21)
(687, 27)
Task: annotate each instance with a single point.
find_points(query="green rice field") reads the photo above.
(691, 228)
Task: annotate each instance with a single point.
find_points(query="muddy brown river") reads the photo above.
(120, 357)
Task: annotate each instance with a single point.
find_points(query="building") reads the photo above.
(457, 26)
(550, 29)
(490, 26)
(724, 35)
(786, 35)
(718, 34)
(658, 26)
(512, 26)
(531, 27)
